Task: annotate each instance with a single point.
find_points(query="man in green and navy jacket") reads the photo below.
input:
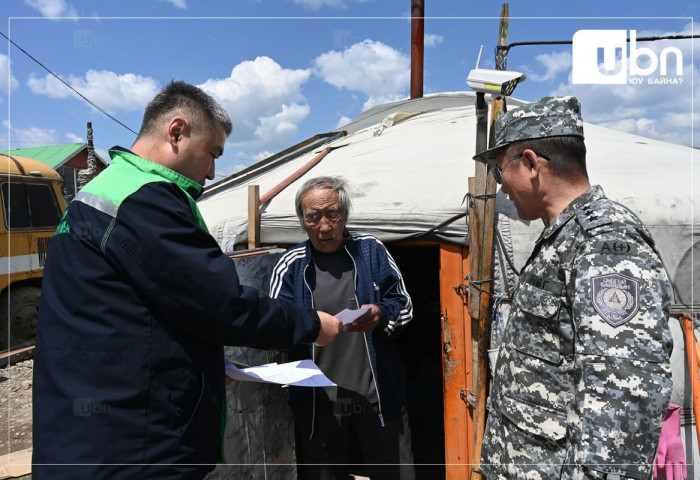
(137, 302)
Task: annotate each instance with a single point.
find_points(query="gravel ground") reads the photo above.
(16, 408)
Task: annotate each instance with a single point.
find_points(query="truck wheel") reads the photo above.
(20, 317)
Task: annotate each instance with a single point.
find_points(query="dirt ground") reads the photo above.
(16, 408)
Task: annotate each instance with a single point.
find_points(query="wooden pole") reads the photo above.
(477, 190)
(473, 303)
(481, 251)
(294, 176)
(253, 216)
(497, 104)
(687, 324)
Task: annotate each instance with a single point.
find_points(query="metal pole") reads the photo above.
(417, 44)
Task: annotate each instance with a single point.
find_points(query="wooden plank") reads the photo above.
(270, 194)
(269, 160)
(253, 216)
(472, 301)
(417, 243)
(16, 464)
(486, 221)
(481, 265)
(456, 361)
(17, 355)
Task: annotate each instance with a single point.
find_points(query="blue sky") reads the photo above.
(289, 69)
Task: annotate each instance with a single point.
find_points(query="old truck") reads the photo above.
(32, 206)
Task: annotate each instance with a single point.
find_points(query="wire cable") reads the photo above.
(569, 42)
(67, 85)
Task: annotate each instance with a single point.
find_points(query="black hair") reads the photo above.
(566, 154)
(180, 98)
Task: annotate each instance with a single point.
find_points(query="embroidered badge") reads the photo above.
(615, 298)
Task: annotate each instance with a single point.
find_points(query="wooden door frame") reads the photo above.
(457, 361)
(456, 357)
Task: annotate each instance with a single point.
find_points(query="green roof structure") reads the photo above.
(52, 155)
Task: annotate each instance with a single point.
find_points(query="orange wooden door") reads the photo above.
(456, 361)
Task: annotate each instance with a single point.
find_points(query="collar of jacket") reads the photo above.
(192, 188)
(593, 193)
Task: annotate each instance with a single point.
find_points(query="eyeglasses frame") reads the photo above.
(497, 170)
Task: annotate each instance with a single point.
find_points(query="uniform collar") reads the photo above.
(590, 195)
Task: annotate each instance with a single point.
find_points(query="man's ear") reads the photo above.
(177, 127)
(532, 162)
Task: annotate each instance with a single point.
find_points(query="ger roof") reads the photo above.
(55, 156)
(408, 177)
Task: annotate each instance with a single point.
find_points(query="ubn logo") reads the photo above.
(589, 45)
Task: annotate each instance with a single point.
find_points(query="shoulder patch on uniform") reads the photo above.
(615, 298)
(615, 247)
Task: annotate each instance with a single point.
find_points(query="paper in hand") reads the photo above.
(348, 316)
(302, 373)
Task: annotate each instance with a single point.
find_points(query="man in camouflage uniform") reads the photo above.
(582, 379)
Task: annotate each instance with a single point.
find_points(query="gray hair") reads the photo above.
(337, 184)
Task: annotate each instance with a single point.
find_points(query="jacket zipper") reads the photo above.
(369, 357)
(313, 359)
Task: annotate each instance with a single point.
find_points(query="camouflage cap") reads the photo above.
(543, 118)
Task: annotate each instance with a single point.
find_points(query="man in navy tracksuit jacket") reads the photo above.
(137, 301)
(363, 273)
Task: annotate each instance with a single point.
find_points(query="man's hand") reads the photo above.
(367, 322)
(330, 327)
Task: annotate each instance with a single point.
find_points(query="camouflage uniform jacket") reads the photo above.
(582, 378)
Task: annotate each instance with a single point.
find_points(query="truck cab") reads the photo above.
(32, 206)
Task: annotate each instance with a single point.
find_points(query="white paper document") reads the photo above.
(303, 373)
(348, 316)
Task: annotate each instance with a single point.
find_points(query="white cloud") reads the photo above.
(265, 103)
(661, 111)
(282, 123)
(670, 127)
(554, 63)
(317, 4)
(432, 39)
(343, 121)
(261, 155)
(181, 4)
(6, 77)
(52, 8)
(109, 90)
(27, 137)
(73, 138)
(373, 68)
(48, 86)
(381, 99)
